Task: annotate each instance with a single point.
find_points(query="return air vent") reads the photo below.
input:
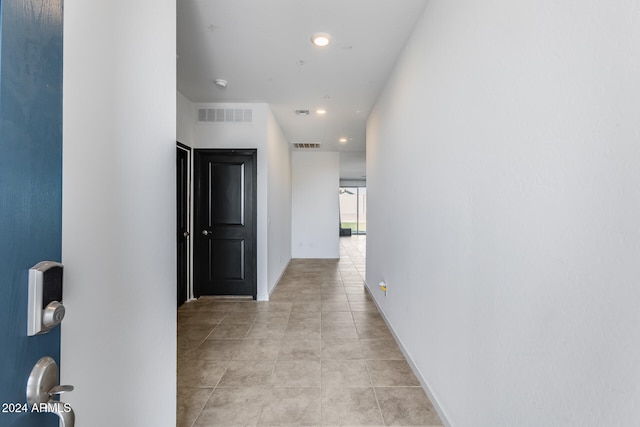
(225, 115)
(306, 145)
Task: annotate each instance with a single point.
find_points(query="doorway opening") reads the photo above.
(353, 210)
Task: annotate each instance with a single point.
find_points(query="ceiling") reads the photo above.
(263, 49)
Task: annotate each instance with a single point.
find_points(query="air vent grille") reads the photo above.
(225, 115)
(306, 145)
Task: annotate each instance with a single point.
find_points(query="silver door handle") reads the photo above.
(185, 234)
(42, 385)
(206, 232)
(59, 389)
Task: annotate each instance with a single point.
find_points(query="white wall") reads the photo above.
(504, 210)
(263, 134)
(185, 111)
(315, 211)
(353, 165)
(118, 338)
(278, 203)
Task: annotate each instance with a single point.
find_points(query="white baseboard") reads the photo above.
(268, 295)
(414, 367)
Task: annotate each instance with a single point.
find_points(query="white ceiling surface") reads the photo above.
(263, 49)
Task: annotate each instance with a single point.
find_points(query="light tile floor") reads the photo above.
(317, 354)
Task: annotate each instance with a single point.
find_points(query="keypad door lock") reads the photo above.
(45, 309)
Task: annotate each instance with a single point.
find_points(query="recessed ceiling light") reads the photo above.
(321, 111)
(321, 39)
(343, 140)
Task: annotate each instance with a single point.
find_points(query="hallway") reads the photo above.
(318, 353)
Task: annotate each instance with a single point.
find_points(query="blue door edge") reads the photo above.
(30, 188)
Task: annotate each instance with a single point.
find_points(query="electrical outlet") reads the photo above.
(383, 287)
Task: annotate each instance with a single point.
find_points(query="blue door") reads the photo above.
(30, 186)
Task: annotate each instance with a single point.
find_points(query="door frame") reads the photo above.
(189, 219)
(254, 230)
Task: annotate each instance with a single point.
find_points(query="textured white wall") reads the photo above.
(315, 212)
(118, 337)
(504, 210)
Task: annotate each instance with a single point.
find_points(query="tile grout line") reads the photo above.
(375, 394)
(193, 423)
(264, 390)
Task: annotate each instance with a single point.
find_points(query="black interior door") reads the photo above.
(182, 193)
(225, 223)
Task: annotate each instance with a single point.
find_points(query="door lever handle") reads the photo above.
(59, 389)
(206, 232)
(42, 385)
(63, 411)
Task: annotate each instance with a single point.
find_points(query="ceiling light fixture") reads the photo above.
(321, 111)
(321, 39)
(221, 83)
(343, 140)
